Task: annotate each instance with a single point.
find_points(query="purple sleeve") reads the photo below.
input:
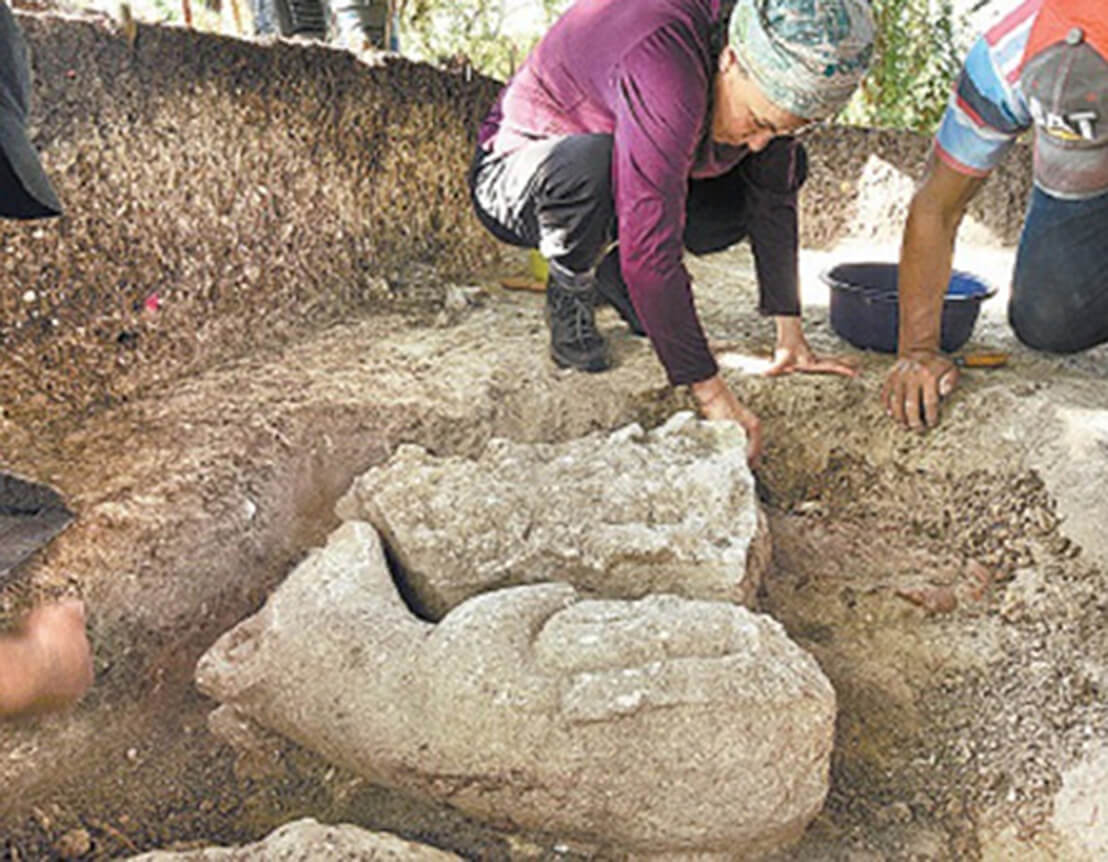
(661, 101)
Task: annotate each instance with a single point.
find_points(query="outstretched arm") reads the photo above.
(922, 375)
(773, 178)
(792, 353)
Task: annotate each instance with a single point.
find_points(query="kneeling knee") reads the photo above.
(1051, 330)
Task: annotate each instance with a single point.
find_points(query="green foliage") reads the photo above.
(916, 61)
(918, 50)
(484, 34)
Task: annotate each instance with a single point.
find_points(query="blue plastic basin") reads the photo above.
(864, 305)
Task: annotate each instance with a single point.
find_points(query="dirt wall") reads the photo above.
(255, 190)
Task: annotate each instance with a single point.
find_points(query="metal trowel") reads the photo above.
(31, 515)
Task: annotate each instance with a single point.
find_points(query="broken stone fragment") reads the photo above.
(308, 839)
(622, 515)
(655, 725)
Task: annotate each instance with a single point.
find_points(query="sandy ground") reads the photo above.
(950, 584)
(193, 501)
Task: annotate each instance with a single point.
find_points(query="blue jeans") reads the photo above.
(1060, 287)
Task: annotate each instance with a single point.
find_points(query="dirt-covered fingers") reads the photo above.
(717, 401)
(914, 390)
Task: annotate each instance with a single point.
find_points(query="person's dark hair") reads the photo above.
(719, 30)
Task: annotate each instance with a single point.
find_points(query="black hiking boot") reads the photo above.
(612, 289)
(575, 341)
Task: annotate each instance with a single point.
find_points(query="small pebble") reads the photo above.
(74, 844)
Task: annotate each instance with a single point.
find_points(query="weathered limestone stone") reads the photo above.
(307, 839)
(1081, 807)
(656, 725)
(623, 515)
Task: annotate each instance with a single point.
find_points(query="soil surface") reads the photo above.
(959, 705)
(937, 578)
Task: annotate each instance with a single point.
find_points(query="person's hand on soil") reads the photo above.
(717, 401)
(915, 386)
(49, 662)
(793, 354)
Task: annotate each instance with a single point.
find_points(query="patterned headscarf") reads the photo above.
(807, 56)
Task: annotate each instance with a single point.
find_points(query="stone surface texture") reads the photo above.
(625, 514)
(1081, 807)
(656, 725)
(305, 840)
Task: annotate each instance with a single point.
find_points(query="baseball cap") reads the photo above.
(25, 190)
(1066, 87)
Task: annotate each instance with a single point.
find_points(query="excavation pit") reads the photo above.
(950, 585)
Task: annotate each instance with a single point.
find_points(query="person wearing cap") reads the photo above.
(46, 663)
(1044, 66)
(634, 131)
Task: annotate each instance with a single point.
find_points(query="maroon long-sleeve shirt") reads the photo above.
(640, 70)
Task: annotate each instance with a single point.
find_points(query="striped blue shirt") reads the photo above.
(987, 111)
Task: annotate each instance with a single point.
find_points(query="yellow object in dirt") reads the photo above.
(984, 359)
(510, 283)
(539, 267)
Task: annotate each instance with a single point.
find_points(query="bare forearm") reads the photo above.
(927, 252)
(926, 257)
(922, 376)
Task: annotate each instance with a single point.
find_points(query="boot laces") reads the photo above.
(577, 313)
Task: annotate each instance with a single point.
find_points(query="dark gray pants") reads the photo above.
(556, 195)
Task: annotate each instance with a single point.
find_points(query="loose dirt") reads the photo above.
(964, 689)
(935, 577)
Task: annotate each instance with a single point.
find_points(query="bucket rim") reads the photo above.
(986, 291)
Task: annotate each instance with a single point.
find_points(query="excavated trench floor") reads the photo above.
(939, 579)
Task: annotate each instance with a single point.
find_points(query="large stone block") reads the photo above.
(656, 725)
(625, 514)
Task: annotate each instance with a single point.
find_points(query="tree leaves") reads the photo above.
(916, 59)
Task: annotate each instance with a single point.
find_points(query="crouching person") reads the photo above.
(634, 131)
(1045, 66)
